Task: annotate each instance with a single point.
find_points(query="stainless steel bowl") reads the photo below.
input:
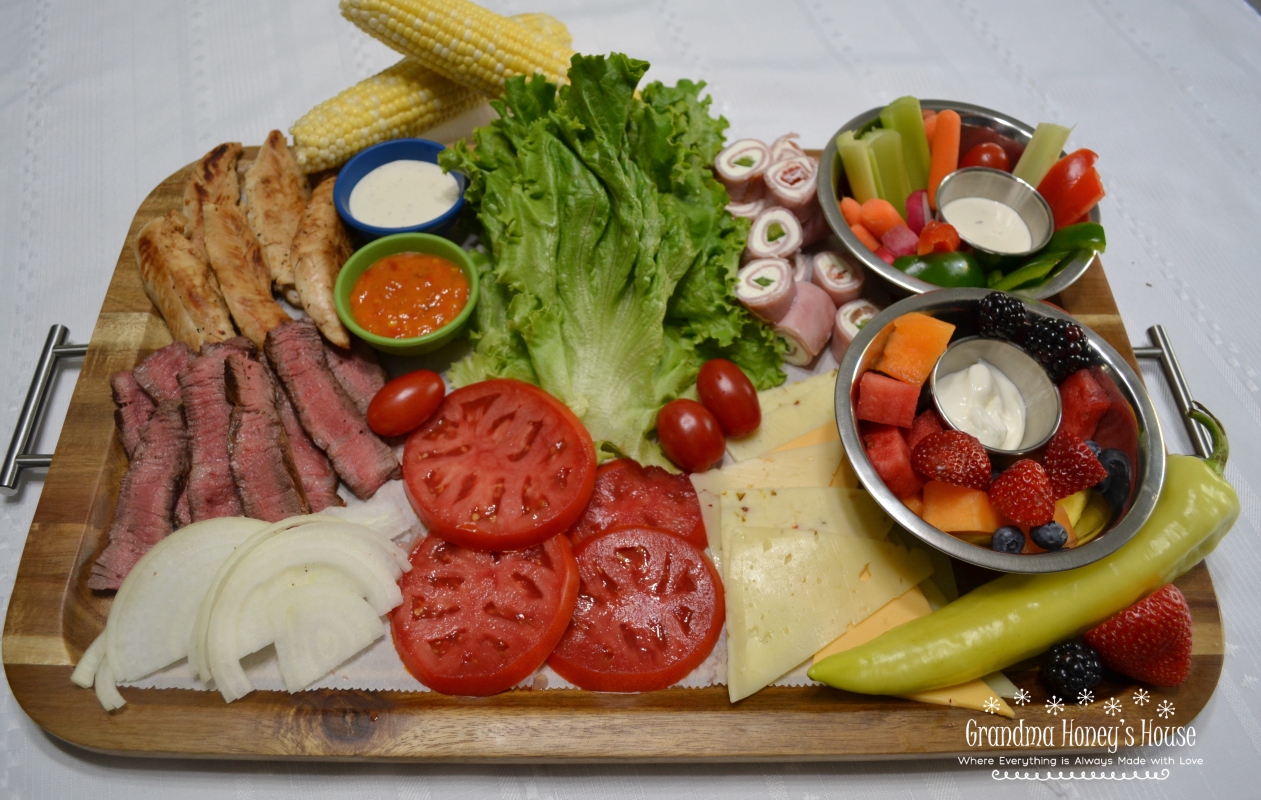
(1005, 188)
(972, 116)
(958, 306)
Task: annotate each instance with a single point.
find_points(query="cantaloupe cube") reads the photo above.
(886, 400)
(918, 340)
(958, 509)
(916, 503)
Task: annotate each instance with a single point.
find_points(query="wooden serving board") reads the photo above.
(53, 617)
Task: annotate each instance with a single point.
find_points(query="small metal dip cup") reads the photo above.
(1005, 188)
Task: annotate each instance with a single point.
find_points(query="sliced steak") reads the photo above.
(358, 370)
(147, 496)
(211, 488)
(319, 481)
(134, 409)
(327, 413)
(158, 373)
(258, 449)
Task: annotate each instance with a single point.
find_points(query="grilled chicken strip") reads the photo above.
(275, 195)
(320, 248)
(237, 260)
(179, 282)
(214, 180)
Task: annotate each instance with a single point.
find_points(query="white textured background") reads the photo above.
(101, 100)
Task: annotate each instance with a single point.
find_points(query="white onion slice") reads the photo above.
(766, 287)
(807, 325)
(318, 627)
(850, 319)
(740, 165)
(838, 276)
(85, 671)
(776, 233)
(388, 512)
(106, 689)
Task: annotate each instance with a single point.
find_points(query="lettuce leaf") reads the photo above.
(612, 255)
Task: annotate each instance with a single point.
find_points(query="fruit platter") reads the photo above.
(594, 435)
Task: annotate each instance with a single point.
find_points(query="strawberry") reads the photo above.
(953, 457)
(1150, 640)
(1071, 465)
(1023, 494)
(923, 425)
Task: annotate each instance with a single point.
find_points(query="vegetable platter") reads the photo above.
(54, 617)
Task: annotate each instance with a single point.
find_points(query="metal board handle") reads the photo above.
(1160, 350)
(17, 458)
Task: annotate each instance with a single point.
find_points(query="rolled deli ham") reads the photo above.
(803, 266)
(842, 280)
(793, 183)
(748, 209)
(850, 319)
(776, 233)
(766, 287)
(807, 325)
(785, 147)
(740, 167)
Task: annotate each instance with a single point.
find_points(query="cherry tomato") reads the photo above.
(649, 611)
(986, 154)
(402, 405)
(477, 623)
(729, 395)
(501, 465)
(627, 494)
(690, 436)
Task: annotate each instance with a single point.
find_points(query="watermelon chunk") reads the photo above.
(923, 425)
(1083, 403)
(886, 400)
(888, 453)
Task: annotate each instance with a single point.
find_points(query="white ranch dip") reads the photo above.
(989, 224)
(403, 193)
(982, 401)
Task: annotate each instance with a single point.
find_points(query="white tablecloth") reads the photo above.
(99, 101)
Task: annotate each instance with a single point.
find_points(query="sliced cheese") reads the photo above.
(847, 511)
(797, 409)
(790, 592)
(908, 606)
(824, 433)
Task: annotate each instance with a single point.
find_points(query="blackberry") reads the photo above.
(1002, 316)
(1070, 668)
(1059, 345)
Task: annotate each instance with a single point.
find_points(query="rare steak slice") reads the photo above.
(327, 412)
(358, 370)
(147, 496)
(134, 409)
(319, 481)
(211, 488)
(258, 449)
(159, 373)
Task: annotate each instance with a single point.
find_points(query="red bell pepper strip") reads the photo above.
(937, 237)
(1072, 187)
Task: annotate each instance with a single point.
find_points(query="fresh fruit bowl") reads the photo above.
(1142, 441)
(979, 125)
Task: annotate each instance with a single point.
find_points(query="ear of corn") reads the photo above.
(402, 100)
(460, 40)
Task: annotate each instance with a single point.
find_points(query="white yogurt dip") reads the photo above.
(982, 401)
(400, 194)
(987, 223)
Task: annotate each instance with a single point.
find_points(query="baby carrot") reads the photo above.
(930, 127)
(945, 156)
(851, 209)
(864, 236)
(878, 216)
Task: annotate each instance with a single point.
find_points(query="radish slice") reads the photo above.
(917, 211)
(834, 274)
(884, 255)
(900, 241)
(766, 287)
(850, 319)
(740, 167)
(317, 628)
(775, 233)
(793, 183)
(803, 266)
(749, 209)
(785, 147)
(807, 325)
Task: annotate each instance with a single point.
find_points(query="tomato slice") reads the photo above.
(628, 494)
(477, 623)
(501, 465)
(649, 612)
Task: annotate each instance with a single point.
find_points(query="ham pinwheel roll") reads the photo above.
(775, 233)
(740, 168)
(814, 227)
(793, 184)
(807, 325)
(785, 147)
(841, 279)
(747, 209)
(766, 287)
(850, 319)
(803, 266)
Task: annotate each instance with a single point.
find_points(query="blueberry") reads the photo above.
(1116, 487)
(1094, 447)
(1008, 539)
(1050, 536)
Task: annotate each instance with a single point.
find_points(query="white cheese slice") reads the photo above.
(787, 413)
(828, 509)
(792, 591)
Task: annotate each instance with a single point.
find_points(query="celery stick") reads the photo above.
(886, 146)
(1041, 153)
(856, 158)
(904, 116)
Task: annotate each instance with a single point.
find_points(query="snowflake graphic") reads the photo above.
(1054, 705)
(1165, 709)
(1022, 697)
(992, 705)
(1142, 697)
(1112, 707)
(1085, 697)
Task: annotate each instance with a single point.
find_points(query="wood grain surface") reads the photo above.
(53, 617)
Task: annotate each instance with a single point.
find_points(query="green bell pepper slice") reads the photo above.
(948, 270)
